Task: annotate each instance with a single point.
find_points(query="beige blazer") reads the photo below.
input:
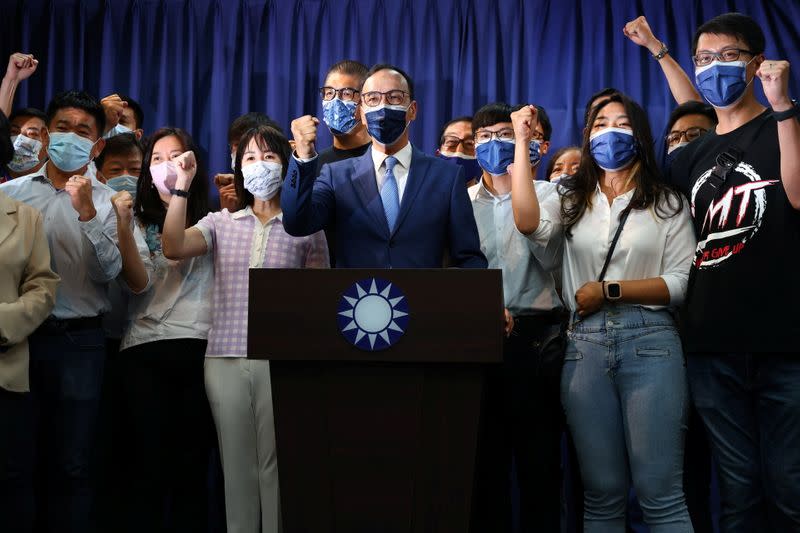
(27, 287)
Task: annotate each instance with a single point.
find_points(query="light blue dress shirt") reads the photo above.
(528, 285)
(84, 254)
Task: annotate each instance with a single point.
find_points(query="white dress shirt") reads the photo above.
(177, 304)
(400, 169)
(648, 247)
(84, 254)
(379, 161)
(528, 284)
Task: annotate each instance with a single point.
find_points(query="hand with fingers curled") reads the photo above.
(304, 130)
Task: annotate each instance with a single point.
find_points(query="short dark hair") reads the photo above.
(691, 108)
(608, 91)
(28, 112)
(491, 114)
(465, 118)
(79, 100)
(148, 207)
(350, 67)
(268, 138)
(385, 66)
(544, 120)
(122, 144)
(138, 113)
(6, 148)
(247, 122)
(737, 25)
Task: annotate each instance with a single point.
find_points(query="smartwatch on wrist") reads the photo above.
(612, 290)
(179, 192)
(789, 113)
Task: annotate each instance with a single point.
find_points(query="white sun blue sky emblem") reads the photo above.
(372, 314)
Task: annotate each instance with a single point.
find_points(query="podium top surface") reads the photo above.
(376, 315)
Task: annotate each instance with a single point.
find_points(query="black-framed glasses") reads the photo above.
(705, 57)
(393, 97)
(690, 134)
(451, 142)
(345, 93)
(484, 136)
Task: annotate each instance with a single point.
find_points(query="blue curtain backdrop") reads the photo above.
(199, 63)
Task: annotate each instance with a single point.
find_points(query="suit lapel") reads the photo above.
(366, 187)
(7, 223)
(416, 177)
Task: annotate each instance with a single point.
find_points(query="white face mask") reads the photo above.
(673, 148)
(26, 153)
(233, 162)
(263, 179)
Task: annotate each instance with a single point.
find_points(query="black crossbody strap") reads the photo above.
(725, 163)
(622, 218)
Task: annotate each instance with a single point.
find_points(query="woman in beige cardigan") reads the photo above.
(27, 295)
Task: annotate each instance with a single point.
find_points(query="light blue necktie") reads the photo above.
(389, 195)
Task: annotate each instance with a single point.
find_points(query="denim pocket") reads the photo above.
(572, 355)
(652, 352)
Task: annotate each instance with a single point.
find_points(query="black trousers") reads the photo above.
(171, 428)
(522, 422)
(16, 462)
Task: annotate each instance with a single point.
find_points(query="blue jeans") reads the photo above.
(66, 377)
(625, 395)
(750, 404)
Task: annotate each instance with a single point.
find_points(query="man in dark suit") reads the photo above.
(393, 207)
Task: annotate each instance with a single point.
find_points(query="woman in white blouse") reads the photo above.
(164, 345)
(623, 386)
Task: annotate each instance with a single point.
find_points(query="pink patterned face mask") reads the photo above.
(164, 176)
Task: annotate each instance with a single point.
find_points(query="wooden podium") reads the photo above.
(380, 436)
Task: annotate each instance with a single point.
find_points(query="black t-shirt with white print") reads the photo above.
(744, 288)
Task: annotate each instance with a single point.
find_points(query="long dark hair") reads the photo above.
(268, 138)
(651, 191)
(148, 207)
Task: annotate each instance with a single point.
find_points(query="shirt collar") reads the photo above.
(483, 192)
(248, 212)
(627, 196)
(41, 175)
(403, 157)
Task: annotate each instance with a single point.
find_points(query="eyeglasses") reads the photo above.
(484, 136)
(691, 134)
(451, 143)
(373, 98)
(537, 136)
(705, 57)
(346, 94)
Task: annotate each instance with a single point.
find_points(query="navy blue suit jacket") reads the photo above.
(435, 219)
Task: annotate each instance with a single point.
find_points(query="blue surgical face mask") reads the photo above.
(721, 83)
(386, 123)
(613, 148)
(119, 129)
(125, 182)
(340, 116)
(536, 152)
(472, 169)
(69, 151)
(26, 153)
(495, 156)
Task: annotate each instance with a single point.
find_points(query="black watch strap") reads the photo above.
(179, 192)
(789, 113)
